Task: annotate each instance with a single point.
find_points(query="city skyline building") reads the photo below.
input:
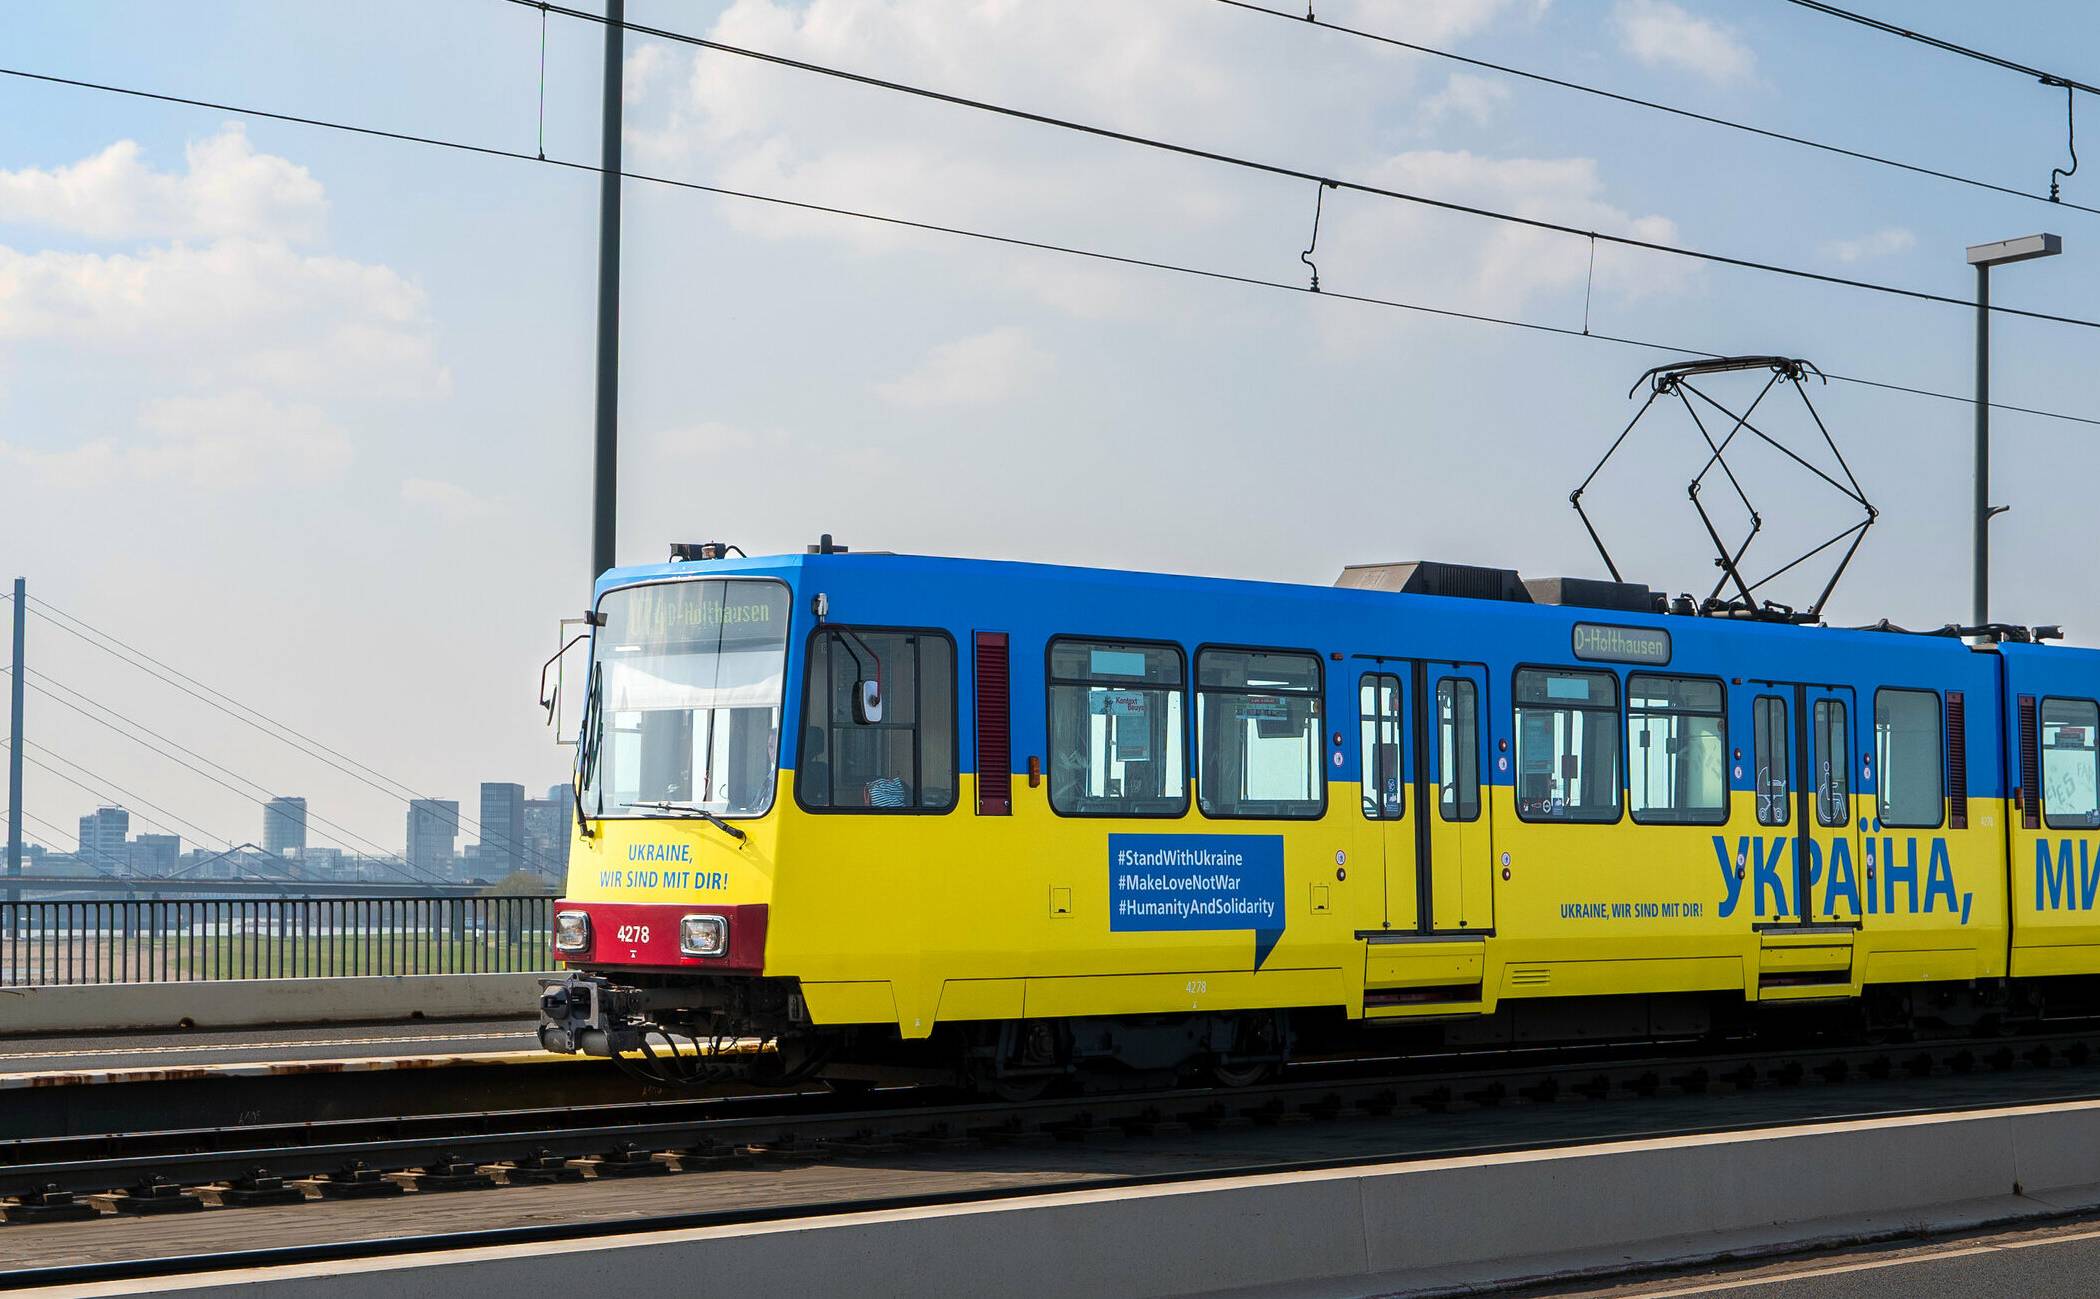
(102, 836)
(502, 820)
(547, 833)
(284, 825)
(155, 854)
(433, 835)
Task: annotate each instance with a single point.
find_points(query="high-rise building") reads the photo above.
(102, 835)
(547, 833)
(502, 827)
(433, 832)
(284, 826)
(155, 854)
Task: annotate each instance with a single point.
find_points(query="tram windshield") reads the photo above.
(683, 712)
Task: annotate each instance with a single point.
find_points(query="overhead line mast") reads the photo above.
(14, 749)
(606, 454)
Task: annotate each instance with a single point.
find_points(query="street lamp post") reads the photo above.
(1983, 257)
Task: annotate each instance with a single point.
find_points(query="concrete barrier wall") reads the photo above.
(244, 1003)
(1373, 1230)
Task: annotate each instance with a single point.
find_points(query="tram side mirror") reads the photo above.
(867, 702)
(560, 704)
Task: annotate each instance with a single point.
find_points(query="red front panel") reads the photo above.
(646, 934)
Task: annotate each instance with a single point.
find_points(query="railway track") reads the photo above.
(180, 1170)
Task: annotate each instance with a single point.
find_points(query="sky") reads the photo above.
(307, 416)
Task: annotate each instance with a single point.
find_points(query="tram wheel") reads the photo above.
(1245, 1075)
(1019, 1091)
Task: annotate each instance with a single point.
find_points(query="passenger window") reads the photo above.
(1912, 790)
(1116, 729)
(1567, 745)
(1378, 724)
(1769, 754)
(1258, 750)
(2070, 764)
(896, 756)
(1676, 748)
(1458, 749)
(1833, 759)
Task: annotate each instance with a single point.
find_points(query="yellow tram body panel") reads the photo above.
(919, 920)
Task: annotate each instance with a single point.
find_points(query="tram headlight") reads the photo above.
(703, 936)
(572, 931)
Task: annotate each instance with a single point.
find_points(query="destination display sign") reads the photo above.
(698, 614)
(1600, 641)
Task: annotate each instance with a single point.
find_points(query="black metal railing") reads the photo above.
(177, 940)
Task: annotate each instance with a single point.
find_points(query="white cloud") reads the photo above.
(227, 442)
(711, 438)
(1428, 20)
(643, 70)
(1475, 98)
(216, 355)
(1158, 69)
(1885, 242)
(1489, 266)
(232, 311)
(987, 368)
(1660, 34)
(449, 501)
(1212, 79)
(230, 190)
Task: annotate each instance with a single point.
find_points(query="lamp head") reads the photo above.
(2024, 249)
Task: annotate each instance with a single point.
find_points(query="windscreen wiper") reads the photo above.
(587, 751)
(696, 810)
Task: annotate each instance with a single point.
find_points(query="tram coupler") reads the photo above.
(587, 1015)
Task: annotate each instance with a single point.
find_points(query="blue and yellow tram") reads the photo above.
(1026, 820)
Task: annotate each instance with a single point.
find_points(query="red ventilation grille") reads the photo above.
(1957, 763)
(995, 768)
(2030, 792)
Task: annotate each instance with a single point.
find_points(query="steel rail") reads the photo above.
(49, 1170)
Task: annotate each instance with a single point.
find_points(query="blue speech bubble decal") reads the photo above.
(1183, 882)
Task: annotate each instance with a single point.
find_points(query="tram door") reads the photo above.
(1421, 725)
(1802, 761)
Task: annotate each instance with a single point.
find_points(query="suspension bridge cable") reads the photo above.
(51, 689)
(126, 798)
(1710, 119)
(1297, 173)
(259, 721)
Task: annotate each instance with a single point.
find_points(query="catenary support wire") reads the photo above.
(2060, 174)
(1319, 196)
(543, 83)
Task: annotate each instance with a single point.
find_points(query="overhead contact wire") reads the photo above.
(1652, 105)
(1010, 241)
(1294, 173)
